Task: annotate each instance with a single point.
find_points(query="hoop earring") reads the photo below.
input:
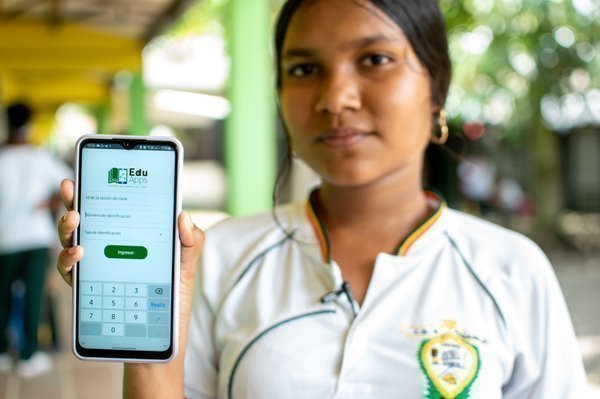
(444, 132)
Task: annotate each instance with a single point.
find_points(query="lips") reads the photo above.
(342, 137)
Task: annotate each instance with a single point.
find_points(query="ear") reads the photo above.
(435, 107)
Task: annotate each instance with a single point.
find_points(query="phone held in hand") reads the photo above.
(126, 286)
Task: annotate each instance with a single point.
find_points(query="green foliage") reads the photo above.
(204, 17)
(210, 16)
(508, 54)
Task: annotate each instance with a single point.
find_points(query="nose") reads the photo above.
(338, 93)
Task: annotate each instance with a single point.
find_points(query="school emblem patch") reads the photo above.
(449, 360)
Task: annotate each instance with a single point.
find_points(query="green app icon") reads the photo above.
(117, 176)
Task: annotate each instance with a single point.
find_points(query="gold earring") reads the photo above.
(443, 137)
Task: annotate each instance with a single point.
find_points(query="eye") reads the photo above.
(301, 70)
(376, 60)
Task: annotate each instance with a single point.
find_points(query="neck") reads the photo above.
(397, 204)
(17, 137)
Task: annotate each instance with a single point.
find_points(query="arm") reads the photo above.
(549, 363)
(143, 380)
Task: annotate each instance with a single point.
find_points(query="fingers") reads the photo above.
(67, 188)
(70, 255)
(66, 226)
(66, 259)
(192, 240)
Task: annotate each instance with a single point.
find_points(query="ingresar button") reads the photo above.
(125, 252)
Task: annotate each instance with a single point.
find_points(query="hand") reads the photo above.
(142, 380)
(70, 254)
(191, 237)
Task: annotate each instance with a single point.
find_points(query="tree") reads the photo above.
(528, 69)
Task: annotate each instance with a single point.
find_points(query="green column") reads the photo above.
(137, 106)
(250, 143)
(102, 115)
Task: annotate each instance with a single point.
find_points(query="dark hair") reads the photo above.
(422, 23)
(17, 115)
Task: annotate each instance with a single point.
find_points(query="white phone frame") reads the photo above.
(176, 251)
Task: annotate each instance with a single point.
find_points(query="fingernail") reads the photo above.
(72, 250)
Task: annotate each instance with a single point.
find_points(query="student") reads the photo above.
(28, 193)
(373, 288)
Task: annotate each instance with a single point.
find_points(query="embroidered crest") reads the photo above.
(449, 361)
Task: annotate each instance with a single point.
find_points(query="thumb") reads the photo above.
(191, 237)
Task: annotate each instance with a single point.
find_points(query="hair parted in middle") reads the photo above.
(422, 23)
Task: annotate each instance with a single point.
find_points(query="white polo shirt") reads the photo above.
(29, 177)
(465, 309)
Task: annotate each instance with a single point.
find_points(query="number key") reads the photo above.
(90, 288)
(136, 290)
(136, 317)
(91, 302)
(136, 303)
(112, 329)
(112, 316)
(113, 302)
(114, 289)
(90, 315)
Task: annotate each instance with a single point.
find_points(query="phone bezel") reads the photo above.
(129, 143)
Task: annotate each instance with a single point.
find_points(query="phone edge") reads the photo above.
(176, 251)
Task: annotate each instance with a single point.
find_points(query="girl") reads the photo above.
(373, 288)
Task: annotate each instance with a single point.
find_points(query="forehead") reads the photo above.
(333, 23)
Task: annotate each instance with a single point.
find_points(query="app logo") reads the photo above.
(117, 176)
(129, 176)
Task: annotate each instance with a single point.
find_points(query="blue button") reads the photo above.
(158, 304)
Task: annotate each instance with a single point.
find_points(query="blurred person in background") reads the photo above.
(29, 179)
(477, 177)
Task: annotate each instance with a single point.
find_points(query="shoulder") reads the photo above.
(483, 232)
(493, 249)
(233, 244)
(45, 156)
(21, 154)
(239, 232)
(514, 269)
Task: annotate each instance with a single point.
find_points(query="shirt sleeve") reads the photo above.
(56, 170)
(548, 361)
(201, 363)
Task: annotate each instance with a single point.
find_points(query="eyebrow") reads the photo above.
(351, 45)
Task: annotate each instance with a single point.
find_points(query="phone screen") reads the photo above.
(127, 208)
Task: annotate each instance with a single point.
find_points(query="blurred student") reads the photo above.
(29, 179)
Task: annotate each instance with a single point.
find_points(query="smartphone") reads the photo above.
(126, 286)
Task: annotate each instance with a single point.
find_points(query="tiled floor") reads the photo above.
(579, 277)
(70, 378)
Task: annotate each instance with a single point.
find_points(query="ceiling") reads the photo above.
(140, 19)
(53, 51)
